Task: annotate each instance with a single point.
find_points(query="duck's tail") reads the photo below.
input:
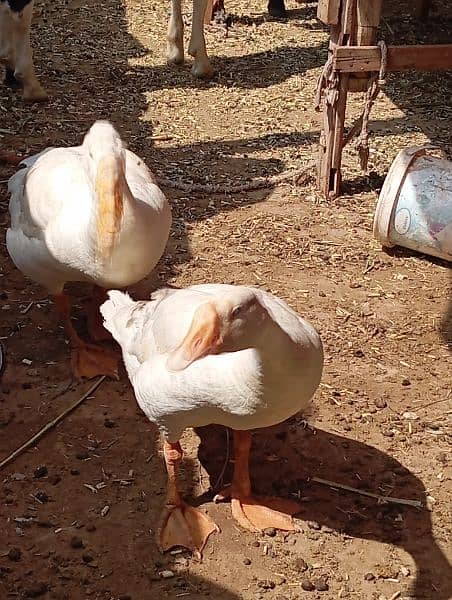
(116, 312)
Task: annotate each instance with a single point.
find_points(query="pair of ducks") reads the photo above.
(230, 355)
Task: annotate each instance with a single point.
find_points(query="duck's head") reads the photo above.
(102, 141)
(227, 323)
(104, 151)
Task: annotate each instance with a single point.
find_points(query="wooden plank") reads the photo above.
(369, 12)
(328, 11)
(355, 59)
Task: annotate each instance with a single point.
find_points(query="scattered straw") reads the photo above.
(333, 484)
(51, 424)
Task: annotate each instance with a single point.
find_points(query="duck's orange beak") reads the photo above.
(203, 337)
(109, 192)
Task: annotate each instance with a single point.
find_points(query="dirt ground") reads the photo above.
(79, 510)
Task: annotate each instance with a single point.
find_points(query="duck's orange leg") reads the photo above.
(87, 360)
(95, 323)
(181, 524)
(10, 158)
(254, 513)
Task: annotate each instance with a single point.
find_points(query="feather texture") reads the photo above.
(267, 367)
(56, 214)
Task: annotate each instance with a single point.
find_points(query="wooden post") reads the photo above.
(368, 20)
(332, 140)
(335, 101)
(422, 9)
(328, 11)
(357, 24)
(352, 54)
(338, 137)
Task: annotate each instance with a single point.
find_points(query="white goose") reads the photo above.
(231, 355)
(88, 213)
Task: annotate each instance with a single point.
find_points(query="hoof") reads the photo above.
(174, 55)
(277, 9)
(204, 71)
(35, 93)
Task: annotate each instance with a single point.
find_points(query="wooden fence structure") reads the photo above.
(357, 63)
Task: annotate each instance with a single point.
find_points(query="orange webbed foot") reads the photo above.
(95, 323)
(90, 361)
(184, 526)
(256, 513)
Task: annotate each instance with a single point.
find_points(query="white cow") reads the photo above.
(16, 53)
(197, 47)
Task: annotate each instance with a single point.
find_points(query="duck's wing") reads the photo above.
(143, 184)
(173, 315)
(42, 186)
(16, 185)
(144, 329)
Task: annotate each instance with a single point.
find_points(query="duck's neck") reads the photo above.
(111, 192)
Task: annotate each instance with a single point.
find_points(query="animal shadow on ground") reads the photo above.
(445, 328)
(249, 71)
(306, 12)
(100, 78)
(80, 451)
(304, 452)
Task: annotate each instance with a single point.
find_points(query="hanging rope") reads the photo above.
(325, 77)
(376, 82)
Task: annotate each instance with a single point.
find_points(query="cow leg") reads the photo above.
(197, 48)
(6, 43)
(175, 37)
(277, 9)
(23, 56)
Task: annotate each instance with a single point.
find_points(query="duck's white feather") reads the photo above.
(250, 388)
(52, 237)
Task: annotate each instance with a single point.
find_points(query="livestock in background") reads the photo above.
(197, 46)
(15, 50)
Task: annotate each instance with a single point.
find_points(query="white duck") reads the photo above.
(88, 213)
(224, 354)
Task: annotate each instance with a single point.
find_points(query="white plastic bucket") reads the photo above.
(415, 204)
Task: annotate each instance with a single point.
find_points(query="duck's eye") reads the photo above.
(236, 311)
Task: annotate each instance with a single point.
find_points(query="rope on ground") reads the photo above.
(295, 176)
